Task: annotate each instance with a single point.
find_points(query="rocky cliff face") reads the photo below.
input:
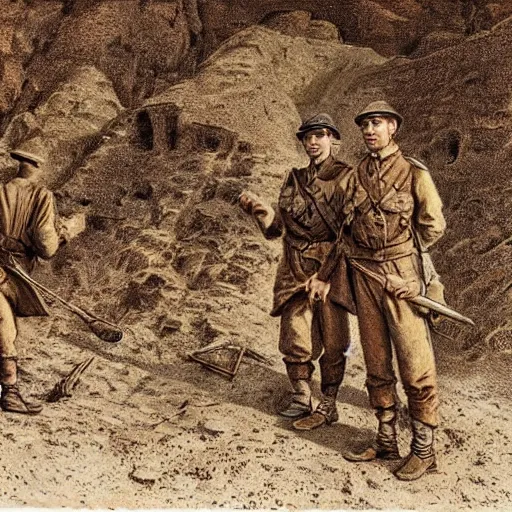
(390, 27)
(143, 45)
(135, 44)
(153, 142)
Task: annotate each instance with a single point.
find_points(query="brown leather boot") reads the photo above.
(385, 446)
(10, 398)
(12, 401)
(300, 404)
(422, 458)
(325, 413)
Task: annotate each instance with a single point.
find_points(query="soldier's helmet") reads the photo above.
(378, 108)
(318, 121)
(26, 156)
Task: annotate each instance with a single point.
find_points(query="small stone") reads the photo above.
(214, 427)
(166, 428)
(144, 476)
(170, 325)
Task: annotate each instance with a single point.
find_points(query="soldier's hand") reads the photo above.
(318, 290)
(402, 288)
(70, 227)
(252, 204)
(246, 200)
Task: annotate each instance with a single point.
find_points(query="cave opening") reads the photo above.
(211, 142)
(144, 130)
(172, 131)
(453, 140)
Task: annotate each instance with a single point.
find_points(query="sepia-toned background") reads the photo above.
(153, 116)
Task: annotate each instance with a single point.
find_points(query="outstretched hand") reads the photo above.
(317, 289)
(252, 204)
(70, 227)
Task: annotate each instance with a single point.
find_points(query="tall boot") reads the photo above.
(422, 457)
(324, 414)
(300, 404)
(385, 445)
(10, 398)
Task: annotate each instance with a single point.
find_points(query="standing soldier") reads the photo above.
(307, 219)
(393, 213)
(27, 231)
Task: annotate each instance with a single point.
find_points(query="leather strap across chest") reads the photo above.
(393, 174)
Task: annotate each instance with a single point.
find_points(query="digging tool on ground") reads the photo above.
(103, 329)
(227, 372)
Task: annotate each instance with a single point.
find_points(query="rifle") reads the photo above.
(420, 300)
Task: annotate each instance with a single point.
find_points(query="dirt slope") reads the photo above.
(176, 436)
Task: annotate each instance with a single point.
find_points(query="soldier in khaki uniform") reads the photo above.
(27, 231)
(307, 218)
(392, 213)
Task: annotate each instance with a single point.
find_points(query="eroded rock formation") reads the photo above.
(161, 191)
(390, 27)
(154, 115)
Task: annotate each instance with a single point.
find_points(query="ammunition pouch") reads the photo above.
(12, 249)
(12, 246)
(377, 226)
(308, 256)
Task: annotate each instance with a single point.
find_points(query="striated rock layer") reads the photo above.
(390, 27)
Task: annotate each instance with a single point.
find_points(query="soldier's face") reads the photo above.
(377, 132)
(317, 144)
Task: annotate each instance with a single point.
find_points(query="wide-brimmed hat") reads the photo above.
(316, 122)
(379, 108)
(26, 156)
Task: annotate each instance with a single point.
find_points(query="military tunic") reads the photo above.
(27, 230)
(392, 212)
(307, 218)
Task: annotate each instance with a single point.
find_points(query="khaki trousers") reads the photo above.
(312, 331)
(8, 330)
(385, 321)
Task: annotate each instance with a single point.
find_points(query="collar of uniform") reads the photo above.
(24, 182)
(317, 168)
(323, 170)
(386, 152)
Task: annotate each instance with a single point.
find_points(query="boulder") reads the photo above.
(26, 29)
(130, 43)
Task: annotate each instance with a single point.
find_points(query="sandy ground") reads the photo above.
(180, 436)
